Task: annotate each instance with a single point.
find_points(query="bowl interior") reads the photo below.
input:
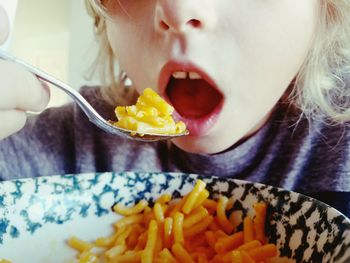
(41, 214)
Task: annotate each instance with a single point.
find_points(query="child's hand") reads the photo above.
(20, 91)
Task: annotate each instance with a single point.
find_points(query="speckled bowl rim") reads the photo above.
(212, 183)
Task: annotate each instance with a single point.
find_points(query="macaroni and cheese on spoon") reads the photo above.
(151, 120)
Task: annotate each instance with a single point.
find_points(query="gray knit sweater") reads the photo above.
(307, 158)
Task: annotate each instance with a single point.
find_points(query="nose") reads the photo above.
(183, 15)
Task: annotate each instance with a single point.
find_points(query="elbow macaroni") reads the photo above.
(193, 230)
(151, 114)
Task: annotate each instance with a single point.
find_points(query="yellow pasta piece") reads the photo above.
(236, 218)
(195, 216)
(248, 229)
(115, 251)
(163, 199)
(234, 256)
(204, 253)
(259, 221)
(144, 127)
(198, 228)
(178, 206)
(210, 238)
(131, 257)
(88, 257)
(166, 256)
(131, 110)
(180, 127)
(152, 122)
(105, 241)
(194, 244)
(214, 226)
(120, 112)
(126, 211)
(181, 254)
(220, 233)
(168, 230)
(150, 97)
(221, 212)
(136, 231)
(147, 254)
(141, 242)
(148, 216)
(230, 242)
(160, 238)
(128, 122)
(148, 110)
(158, 212)
(178, 231)
(79, 244)
(165, 208)
(250, 245)
(210, 204)
(193, 196)
(129, 220)
(121, 239)
(202, 197)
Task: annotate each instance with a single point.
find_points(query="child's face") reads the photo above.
(249, 51)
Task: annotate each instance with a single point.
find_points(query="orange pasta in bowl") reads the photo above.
(193, 229)
(165, 217)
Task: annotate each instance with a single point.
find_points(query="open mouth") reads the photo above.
(196, 101)
(192, 96)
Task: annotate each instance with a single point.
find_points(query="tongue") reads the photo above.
(193, 98)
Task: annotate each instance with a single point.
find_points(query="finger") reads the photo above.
(11, 122)
(20, 89)
(4, 25)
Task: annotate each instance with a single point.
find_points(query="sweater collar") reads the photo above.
(229, 162)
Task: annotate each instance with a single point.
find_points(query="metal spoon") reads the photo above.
(90, 112)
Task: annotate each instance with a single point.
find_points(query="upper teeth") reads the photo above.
(184, 75)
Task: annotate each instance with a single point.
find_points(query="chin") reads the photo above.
(201, 145)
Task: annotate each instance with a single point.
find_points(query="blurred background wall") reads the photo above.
(56, 36)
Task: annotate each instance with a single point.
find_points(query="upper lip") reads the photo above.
(174, 66)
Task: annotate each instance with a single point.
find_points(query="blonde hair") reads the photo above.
(113, 90)
(320, 88)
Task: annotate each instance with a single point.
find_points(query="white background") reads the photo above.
(56, 36)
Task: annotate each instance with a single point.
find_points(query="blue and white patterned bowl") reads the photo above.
(37, 216)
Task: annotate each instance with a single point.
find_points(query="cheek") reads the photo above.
(123, 43)
(132, 46)
(269, 62)
(119, 40)
(276, 34)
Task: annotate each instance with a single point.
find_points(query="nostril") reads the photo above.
(194, 23)
(163, 25)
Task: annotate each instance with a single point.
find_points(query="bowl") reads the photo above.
(38, 216)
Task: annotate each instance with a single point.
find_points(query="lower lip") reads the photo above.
(200, 126)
